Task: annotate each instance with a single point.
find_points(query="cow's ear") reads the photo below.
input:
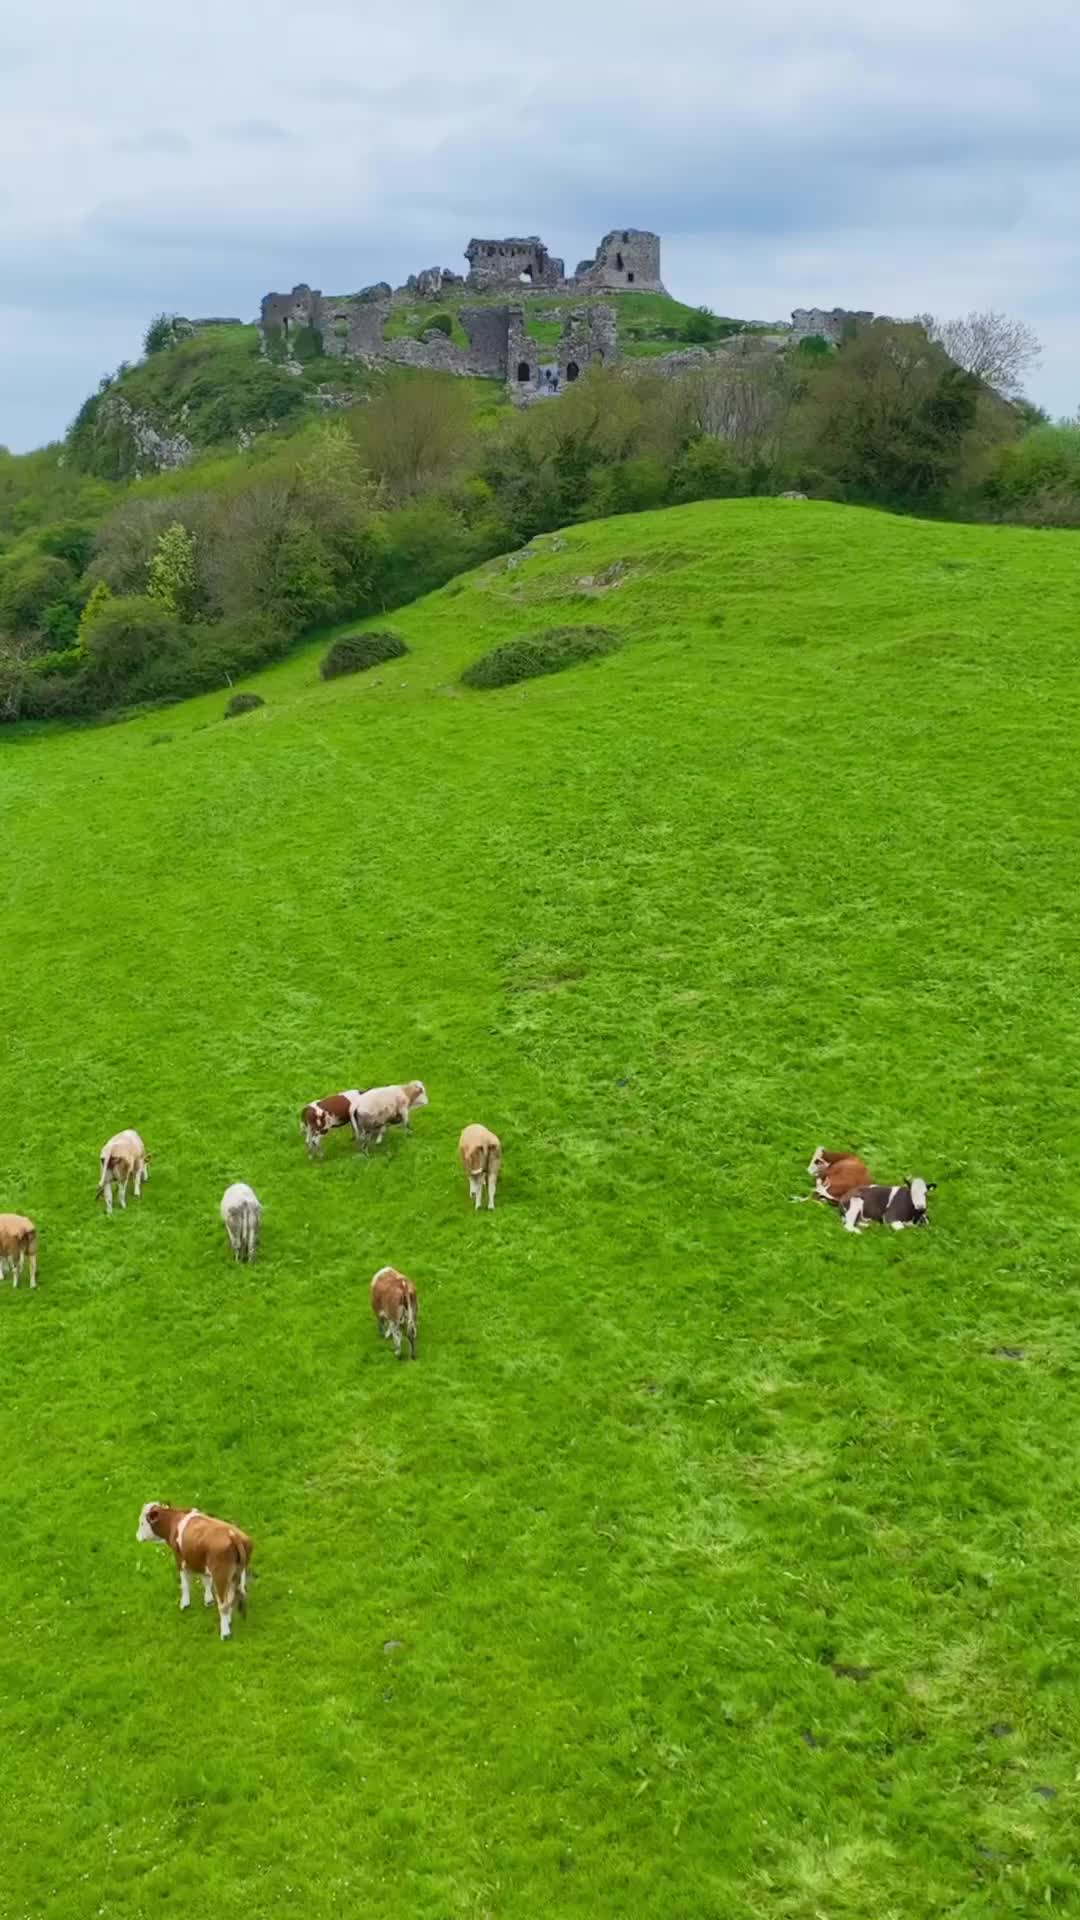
(931, 1186)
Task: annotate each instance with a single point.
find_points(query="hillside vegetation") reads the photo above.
(708, 1561)
(280, 519)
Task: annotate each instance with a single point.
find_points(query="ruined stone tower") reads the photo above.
(627, 260)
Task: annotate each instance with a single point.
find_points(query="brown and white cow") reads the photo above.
(18, 1247)
(381, 1107)
(835, 1176)
(481, 1157)
(393, 1301)
(321, 1117)
(895, 1207)
(218, 1551)
(123, 1158)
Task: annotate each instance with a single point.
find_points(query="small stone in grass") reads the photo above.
(811, 1740)
(391, 1646)
(1046, 1793)
(844, 1672)
(1010, 1353)
(1000, 1730)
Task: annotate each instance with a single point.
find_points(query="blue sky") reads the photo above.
(904, 155)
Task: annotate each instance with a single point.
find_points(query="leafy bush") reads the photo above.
(354, 652)
(129, 635)
(699, 327)
(439, 323)
(28, 583)
(533, 654)
(243, 703)
(164, 331)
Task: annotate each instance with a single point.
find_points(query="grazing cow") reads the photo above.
(320, 1117)
(481, 1157)
(393, 1301)
(18, 1247)
(835, 1176)
(895, 1207)
(123, 1158)
(242, 1214)
(381, 1107)
(201, 1544)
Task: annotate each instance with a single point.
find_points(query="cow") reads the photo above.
(481, 1157)
(835, 1175)
(201, 1544)
(123, 1158)
(895, 1207)
(393, 1301)
(320, 1117)
(18, 1247)
(242, 1214)
(381, 1107)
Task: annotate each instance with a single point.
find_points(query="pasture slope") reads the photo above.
(709, 1563)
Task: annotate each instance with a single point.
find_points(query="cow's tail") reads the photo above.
(410, 1320)
(251, 1230)
(236, 1597)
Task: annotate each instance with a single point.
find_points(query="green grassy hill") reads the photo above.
(709, 1561)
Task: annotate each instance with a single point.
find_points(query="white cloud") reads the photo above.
(911, 156)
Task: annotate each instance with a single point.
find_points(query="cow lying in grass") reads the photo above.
(18, 1247)
(123, 1158)
(895, 1207)
(835, 1175)
(393, 1301)
(219, 1552)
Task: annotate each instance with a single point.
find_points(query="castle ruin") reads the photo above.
(353, 326)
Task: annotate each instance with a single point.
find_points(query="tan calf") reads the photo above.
(393, 1301)
(381, 1107)
(481, 1157)
(123, 1158)
(219, 1552)
(18, 1247)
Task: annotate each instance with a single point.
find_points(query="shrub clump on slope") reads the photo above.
(356, 651)
(532, 654)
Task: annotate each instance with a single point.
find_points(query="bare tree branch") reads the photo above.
(990, 345)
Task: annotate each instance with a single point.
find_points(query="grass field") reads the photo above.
(709, 1562)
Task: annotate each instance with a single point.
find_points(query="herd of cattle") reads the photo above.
(216, 1550)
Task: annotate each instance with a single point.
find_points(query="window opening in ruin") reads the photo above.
(284, 326)
(630, 279)
(523, 370)
(526, 276)
(572, 369)
(618, 261)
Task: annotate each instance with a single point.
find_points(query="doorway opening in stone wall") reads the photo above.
(523, 370)
(572, 369)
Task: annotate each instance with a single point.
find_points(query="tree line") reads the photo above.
(152, 593)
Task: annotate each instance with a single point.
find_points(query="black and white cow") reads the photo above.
(895, 1207)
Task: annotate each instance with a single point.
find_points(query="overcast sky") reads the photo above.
(901, 155)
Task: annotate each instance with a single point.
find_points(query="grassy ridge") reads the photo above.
(796, 864)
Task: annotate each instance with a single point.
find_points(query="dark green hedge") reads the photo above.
(356, 651)
(532, 654)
